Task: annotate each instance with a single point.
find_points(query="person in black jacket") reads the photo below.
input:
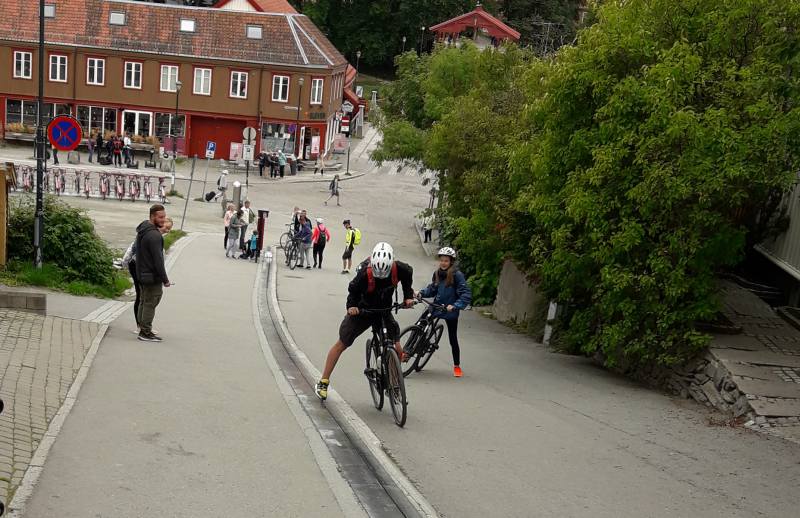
(151, 270)
(372, 288)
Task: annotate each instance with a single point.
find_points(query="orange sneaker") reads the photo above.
(457, 371)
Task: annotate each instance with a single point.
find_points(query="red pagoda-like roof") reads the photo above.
(480, 19)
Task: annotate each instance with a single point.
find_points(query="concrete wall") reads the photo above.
(518, 300)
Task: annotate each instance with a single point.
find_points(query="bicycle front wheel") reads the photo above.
(412, 340)
(433, 344)
(396, 389)
(292, 258)
(284, 240)
(373, 374)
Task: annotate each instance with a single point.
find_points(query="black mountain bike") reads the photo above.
(421, 340)
(292, 252)
(383, 370)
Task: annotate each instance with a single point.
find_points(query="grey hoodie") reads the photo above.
(150, 254)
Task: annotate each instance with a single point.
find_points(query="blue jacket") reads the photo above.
(459, 294)
(304, 233)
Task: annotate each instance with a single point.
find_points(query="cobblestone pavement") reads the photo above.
(39, 358)
(764, 362)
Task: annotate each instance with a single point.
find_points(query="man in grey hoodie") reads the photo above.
(151, 270)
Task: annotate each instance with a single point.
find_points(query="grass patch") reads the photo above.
(175, 193)
(173, 236)
(51, 276)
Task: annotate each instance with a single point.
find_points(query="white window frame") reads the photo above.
(188, 25)
(280, 78)
(59, 58)
(252, 30)
(318, 87)
(101, 68)
(234, 93)
(117, 18)
(169, 69)
(25, 57)
(199, 91)
(136, 65)
(49, 10)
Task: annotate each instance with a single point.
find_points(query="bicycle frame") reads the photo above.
(87, 186)
(148, 189)
(120, 187)
(381, 350)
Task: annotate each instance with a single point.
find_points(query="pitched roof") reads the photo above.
(482, 19)
(288, 39)
(265, 6)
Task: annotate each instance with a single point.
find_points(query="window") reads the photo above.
(277, 135)
(96, 71)
(316, 91)
(187, 25)
(49, 10)
(254, 32)
(280, 88)
(22, 64)
(96, 118)
(202, 81)
(116, 18)
(169, 78)
(25, 112)
(239, 85)
(58, 68)
(133, 75)
(166, 124)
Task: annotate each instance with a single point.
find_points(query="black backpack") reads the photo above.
(322, 238)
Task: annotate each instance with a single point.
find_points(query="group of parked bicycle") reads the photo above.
(78, 182)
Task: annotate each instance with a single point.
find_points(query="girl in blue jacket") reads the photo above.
(449, 288)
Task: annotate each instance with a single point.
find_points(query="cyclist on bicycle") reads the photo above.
(373, 287)
(449, 288)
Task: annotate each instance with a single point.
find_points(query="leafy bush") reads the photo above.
(70, 242)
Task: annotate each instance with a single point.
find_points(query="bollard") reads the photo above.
(263, 215)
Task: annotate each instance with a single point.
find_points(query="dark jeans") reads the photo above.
(91, 152)
(428, 233)
(319, 248)
(243, 232)
(151, 296)
(138, 288)
(225, 240)
(282, 168)
(452, 334)
(117, 159)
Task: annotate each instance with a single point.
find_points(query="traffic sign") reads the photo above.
(347, 107)
(248, 152)
(249, 134)
(345, 126)
(65, 133)
(211, 148)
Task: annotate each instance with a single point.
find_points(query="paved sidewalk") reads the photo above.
(193, 426)
(39, 357)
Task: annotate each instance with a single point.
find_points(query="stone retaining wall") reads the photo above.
(24, 301)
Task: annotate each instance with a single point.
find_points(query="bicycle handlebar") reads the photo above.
(372, 311)
(431, 304)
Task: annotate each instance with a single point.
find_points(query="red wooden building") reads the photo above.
(483, 28)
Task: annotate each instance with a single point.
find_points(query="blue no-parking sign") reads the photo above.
(211, 148)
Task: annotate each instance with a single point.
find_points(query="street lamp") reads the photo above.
(404, 45)
(297, 126)
(38, 228)
(358, 58)
(421, 40)
(178, 86)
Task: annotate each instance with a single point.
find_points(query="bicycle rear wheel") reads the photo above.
(411, 339)
(433, 344)
(397, 387)
(373, 374)
(284, 240)
(292, 258)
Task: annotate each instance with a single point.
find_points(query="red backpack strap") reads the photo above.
(395, 279)
(370, 279)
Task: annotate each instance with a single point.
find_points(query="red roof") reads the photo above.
(266, 6)
(288, 39)
(479, 18)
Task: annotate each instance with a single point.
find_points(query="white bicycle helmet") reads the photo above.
(449, 252)
(381, 260)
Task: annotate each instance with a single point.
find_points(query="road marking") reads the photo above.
(344, 414)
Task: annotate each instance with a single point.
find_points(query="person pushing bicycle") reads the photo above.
(372, 288)
(449, 289)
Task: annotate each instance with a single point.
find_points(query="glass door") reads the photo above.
(137, 123)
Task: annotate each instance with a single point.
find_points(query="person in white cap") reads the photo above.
(222, 184)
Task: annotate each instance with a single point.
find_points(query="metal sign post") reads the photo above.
(249, 134)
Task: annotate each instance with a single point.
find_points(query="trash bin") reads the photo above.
(292, 165)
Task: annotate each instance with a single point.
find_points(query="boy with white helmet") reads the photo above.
(373, 287)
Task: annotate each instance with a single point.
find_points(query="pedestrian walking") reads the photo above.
(127, 149)
(262, 162)
(449, 288)
(304, 235)
(272, 159)
(333, 189)
(248, 218)
(129, 262)
(351, 240)
(99, 145)
(319, 165)
(55, 155)
(116, 146)
(252, 247)
(90, 144)
(233, 234)
(320, 238)
(150, 270)
(427, 227)
(226, 219)
(281, 162)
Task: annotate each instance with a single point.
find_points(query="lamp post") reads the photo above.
(297, 126)
(358, 58)
(404, 45)
(178, 86)
(421, 39)
(38, 228)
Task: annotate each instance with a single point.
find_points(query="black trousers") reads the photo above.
(319, 248)
(282, 167)
(138, 288)
(452, 335)
(428, 232)
(225, 239)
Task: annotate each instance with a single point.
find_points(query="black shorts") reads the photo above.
(348, 253)
(354, 326)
